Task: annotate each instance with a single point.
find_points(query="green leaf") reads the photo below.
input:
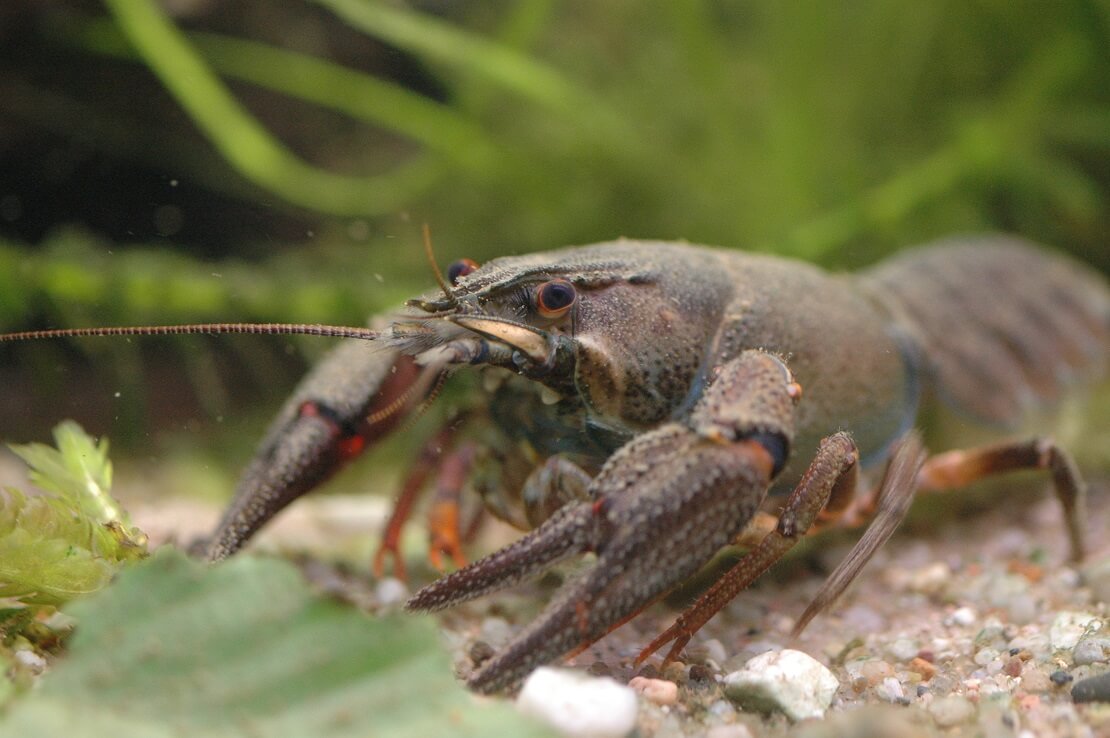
(244, 648)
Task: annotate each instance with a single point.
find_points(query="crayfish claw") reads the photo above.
(566, 533)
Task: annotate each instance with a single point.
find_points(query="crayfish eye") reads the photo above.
(460, 269)
(554, 298)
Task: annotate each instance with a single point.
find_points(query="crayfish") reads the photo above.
(651, 403)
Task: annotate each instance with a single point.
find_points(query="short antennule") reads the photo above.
(301, 329)
(427, 231)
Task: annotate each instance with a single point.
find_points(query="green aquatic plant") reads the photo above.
(72, 536)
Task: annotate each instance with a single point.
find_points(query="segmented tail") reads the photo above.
(1004, 326)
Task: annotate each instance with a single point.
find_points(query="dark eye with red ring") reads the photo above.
(460, 269)
(554, 298)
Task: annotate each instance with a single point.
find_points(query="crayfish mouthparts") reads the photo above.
(532, 342)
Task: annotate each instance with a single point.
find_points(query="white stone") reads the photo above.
(659, 691)
(31, 660)
(1068, 627)
(890, 690)
(390, 591)
(963, 616)
(579, 705)
(788, 681)
(736, 730)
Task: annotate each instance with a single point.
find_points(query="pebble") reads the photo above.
(390, 591)
(599, 668)
(952, 710)
(736, 730)
(576, 704)
(35, 663)
(715, 650)
(480, 652)
(890, 690)
(925, 668)
(1060, 677)
(962, 616)
(1092, 689)
(659, 691)
(984, 656)
(1035, 680)
(496, 631)
(931, 579)
(875, 671)
(788, 681)
(675, 672)
(903, 650)
(1092, 648)
(1068, 627)
(700, 675)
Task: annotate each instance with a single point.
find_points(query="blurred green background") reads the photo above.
(197, 160)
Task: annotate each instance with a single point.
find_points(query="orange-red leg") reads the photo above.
(955, 469)
(444, 528)
(426, 462)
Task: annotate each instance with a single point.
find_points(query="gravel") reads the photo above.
(972, 627)
(579, 705)
(787, 681)
(970, 616)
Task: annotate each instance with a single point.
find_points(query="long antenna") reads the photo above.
(435, 267)
(303, 329)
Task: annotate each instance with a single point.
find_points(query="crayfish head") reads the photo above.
(626, 326)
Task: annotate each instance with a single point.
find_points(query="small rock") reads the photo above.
(962, 616)
(1092, 648)
(925, 668)
(1012, 667)
(715, 650)
(480, 652)
(875, 671)
(902, 650)
(496, 631)
(1060, 677)
(32, 661)
(890, 690)
(984, 656)
(675, 672)
(788, 681)
(1068, 627)
(951, 710)
(599, 669)
(700, 675)
(736, 730)
(931, 579)
(1035, 680)
(579, 705)
(390, 591)
(1092, 689)
(659, 691)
